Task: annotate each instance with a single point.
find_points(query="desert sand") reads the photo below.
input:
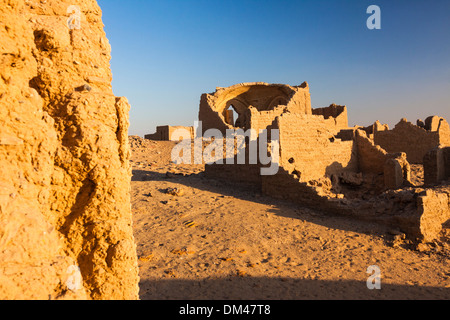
(199, 238)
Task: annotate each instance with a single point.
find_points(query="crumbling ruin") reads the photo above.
(164, 133)
(414, 140)
(324, 163)
(66, 225)
(256, 105)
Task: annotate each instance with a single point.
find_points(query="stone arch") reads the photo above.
(240, 108)
(277, 101)
(215, 107)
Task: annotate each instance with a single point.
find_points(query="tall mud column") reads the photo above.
(65, 215)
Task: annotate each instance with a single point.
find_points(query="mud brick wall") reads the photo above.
(371, 158)
(243, 173)
(336, 115)
(444, 133)
(433, 210)
(246, 173)
(210, 118)
(285, 186)
(300, 102)
(261, 120)
(164, 133)
(259, 95)
(446, 152)
(308, 146)
(409, 138)
(161, 134)
(436, 165)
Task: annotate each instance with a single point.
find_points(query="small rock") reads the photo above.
(400, 237)
(84, 87)
(179, 192)
(241, 273)
(353, 179)
(226, 259)
(422, 247)
(146, 257)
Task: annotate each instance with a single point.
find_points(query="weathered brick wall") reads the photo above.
(261, 120)
(433, 210)
(446, 152)
(259, 95)
(371, 158)
(209, 117)
(236, 167)
(337, 114)
(436, 165)
(164, 133)
(309, 147)
(300, 101)
(243, 173)
(285, 186)
(444, 133)
(409, 138)
(161, 134)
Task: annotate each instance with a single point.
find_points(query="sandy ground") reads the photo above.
(218, 240)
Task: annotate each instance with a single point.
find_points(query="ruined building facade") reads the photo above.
(358, 171)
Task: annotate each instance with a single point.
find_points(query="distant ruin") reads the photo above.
(414, 140)
(364, 172)
(164, 133)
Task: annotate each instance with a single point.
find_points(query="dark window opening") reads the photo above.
(232, 117)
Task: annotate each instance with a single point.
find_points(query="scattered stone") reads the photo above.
(179, 192)
(170, 272)
(84, 87)
(422, 247)
(351, 178)
(226, 259)
(146, 258)
(241, 273)
(397, 234)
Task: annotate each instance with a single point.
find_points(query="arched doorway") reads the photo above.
(234, 113)
(231, 115)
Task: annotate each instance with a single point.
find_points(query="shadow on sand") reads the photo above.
(264, 288)
(247, 192)
(257, 288)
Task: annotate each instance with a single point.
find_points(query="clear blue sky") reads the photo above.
(166, 53)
